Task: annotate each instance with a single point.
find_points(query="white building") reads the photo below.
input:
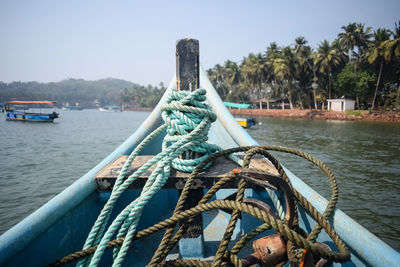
(341, 104)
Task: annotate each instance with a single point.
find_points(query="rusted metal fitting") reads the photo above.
(270, 250)
(323, 262)
(273, 182)
(307, 259)
(262, 206)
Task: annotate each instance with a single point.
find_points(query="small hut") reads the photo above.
(341, 104)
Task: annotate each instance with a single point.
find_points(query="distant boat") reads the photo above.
(30, 111)
(246, 122)
(111, 108)
(237, 105)
(73, 108)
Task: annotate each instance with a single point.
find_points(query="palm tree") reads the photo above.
(272, 53)
(394, 45)
(348, 38)
(253, 72)
(285, 70)
(302, 51)
(328, 57)
(272, 49)
(376, 54)
(231, 75)
(393, 51)
(355, 36)
(363, 36)
(304, 65)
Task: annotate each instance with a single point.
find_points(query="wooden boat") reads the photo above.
(61, 226)
(13, 112)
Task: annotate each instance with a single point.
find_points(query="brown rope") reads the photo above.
(185, 217)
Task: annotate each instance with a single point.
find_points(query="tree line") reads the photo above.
(88, 94)
(360, 64)
(142, 96)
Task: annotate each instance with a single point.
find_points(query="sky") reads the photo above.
(49, 41)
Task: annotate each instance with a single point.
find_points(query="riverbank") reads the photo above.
(352, 115)
(139, 109)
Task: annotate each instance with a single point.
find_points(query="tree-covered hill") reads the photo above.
(87, 93)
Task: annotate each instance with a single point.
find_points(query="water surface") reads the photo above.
(39, 160)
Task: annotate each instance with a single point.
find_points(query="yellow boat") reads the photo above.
(246, 122)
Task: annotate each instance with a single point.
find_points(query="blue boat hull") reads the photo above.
(32, 117)
(61, 226)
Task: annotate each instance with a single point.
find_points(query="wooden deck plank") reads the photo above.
(106, 178)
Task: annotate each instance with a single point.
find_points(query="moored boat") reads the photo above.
(111, 108)
(31, 111)
(237, 105)
(62, 225)
(246, 122)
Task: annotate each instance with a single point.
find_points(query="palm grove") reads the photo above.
(360, 64)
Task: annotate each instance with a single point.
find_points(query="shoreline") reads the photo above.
(354, 115)
(139, 109)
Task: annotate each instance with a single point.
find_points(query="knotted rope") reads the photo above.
(183, 112)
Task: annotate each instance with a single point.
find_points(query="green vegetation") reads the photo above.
(360, 64)
(86, 93)
(353, 112)
(140, 96)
